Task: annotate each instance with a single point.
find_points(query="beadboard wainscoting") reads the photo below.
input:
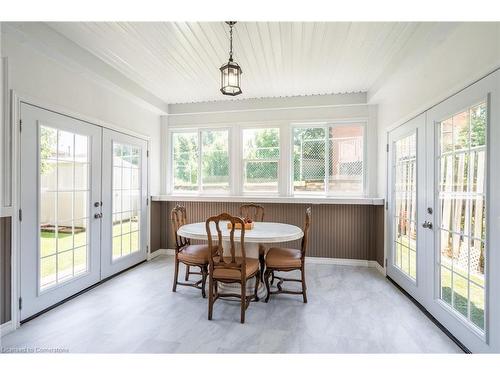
(338, 231)
(5, 269)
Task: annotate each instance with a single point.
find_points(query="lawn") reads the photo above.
(63, 260)
(460, 290)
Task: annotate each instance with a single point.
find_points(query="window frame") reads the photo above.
(326, 126)
(170, 165)
(242, 160)
(285, 159)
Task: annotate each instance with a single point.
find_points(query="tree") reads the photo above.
(48, 142)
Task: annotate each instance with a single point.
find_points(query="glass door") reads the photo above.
(60, 181)
(124, 205)
(465, 260)
(406, 202)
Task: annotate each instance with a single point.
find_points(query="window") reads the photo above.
(198, 168)
(328, 159)
(462, 211)
(214, 160)
(185, 161)
(261, 152)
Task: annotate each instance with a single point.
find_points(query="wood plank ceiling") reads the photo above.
(179, 61)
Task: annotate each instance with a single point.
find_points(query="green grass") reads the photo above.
(63, 260)
(459, 288)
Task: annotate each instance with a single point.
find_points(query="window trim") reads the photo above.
(326, 126)
(285, 160)
(199, 191)
(242, 161)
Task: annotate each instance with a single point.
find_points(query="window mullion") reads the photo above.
(200, 183)
(327, 160)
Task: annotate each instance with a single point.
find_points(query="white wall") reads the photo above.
(36, 75)
(282, 111)
(468, 52)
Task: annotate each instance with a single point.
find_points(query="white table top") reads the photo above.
(263, 232)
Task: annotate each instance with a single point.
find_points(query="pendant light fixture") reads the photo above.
(230, 74)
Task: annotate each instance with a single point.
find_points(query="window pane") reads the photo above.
(462, 216)
(261, 159)
(215, 160)
(309, 159)
(346, 158)
(185, 161)
(404, 189)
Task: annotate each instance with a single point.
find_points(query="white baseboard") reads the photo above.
(316, 260)
(5, 328)
(378, 267)
(159, 252)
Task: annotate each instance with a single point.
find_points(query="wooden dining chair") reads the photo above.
(280, 259)
(230, 268)
(256, 213)
(187, 254)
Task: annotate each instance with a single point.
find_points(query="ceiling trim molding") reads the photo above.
(266, 104)
(63, 50)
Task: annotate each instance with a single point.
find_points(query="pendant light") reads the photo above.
(230, 73)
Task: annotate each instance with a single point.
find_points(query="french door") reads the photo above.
(447, 232)
(406, 184)
(68, 206)
(125, 190)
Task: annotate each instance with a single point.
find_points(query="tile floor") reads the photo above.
(350, 310)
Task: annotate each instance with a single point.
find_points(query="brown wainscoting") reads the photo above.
(337, 231)
(5, 269)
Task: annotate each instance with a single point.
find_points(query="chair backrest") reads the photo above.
(307, 225)
(179, 218)
(252, 211)
(216, 251)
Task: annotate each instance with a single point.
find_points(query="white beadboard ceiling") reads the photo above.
(179, 61)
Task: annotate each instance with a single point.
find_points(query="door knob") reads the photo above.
(97, 216)
(427, 224)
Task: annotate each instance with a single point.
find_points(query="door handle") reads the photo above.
(427, 224)
(98, 216)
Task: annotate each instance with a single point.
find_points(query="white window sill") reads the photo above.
(267, 199)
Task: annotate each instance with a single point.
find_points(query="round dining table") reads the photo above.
(261, 233)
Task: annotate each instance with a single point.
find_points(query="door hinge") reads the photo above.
(385, 262)
(147, 153)
(387, 147)
(20, 215)
(386, 205)
(20, 125)
(20, 303)
(147, 201)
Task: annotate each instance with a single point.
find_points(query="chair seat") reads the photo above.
(197, 254)
(252, 266)
(281, 257)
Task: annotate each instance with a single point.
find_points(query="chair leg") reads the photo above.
(210, 296)
(304, 287)
(268, 288)
(204, 273)
(176, 274)
(257, 280)
(272, 279)
(243, 300)
(186, 278)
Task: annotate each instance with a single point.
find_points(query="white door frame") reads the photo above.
(108, 266)
(415, 287)
(488, 88)
(17, 98)
(34, 117)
